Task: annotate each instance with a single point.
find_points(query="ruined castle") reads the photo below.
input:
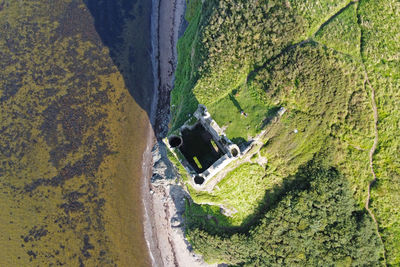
(202, 147)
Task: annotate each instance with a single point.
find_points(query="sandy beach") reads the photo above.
(163, 200)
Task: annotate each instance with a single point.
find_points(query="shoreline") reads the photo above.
(162, 199)
(149, 235)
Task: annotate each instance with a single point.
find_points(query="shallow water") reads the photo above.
(74, 114)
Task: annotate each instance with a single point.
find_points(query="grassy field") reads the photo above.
(317, 71)
(380, 53)
(183, 101)
(342, 33)
(239, 192)
(228, 113)
(316, 12)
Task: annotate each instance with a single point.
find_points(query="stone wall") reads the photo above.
(231, 151)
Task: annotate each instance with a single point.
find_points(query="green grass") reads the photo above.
(181, 170)
(227, 113)
(342, 33)
(206, 216)
(336, 117)
(316, 12)
(217, 85)
(287, 150)
(183, 101)
(192, 9)
(241, 190)
(315, 216)
(212, 62)
(320, 83)
(323, 118)
(380, 53)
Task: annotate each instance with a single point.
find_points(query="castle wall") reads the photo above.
(222, 141)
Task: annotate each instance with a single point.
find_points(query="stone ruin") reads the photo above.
(202, 147)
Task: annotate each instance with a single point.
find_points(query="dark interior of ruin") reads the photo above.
(198, 148)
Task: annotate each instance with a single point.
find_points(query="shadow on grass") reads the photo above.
(240, 141)
(235, 103)
(202, 216)
(271, 114)
(188, 105)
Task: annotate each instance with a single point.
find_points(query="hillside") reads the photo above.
(334, 66)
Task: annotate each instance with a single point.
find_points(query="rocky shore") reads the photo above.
(163, 198)
(168, 205)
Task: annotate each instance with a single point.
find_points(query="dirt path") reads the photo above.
(376, 138)
(373, 104)
(373, 148)
(371, 160)
(300, 43)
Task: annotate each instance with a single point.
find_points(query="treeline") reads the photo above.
(236, 37)
(318, 226)
(254, 48)
(223, 41)
(247, 30)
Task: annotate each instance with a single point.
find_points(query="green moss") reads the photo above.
(181, 170)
